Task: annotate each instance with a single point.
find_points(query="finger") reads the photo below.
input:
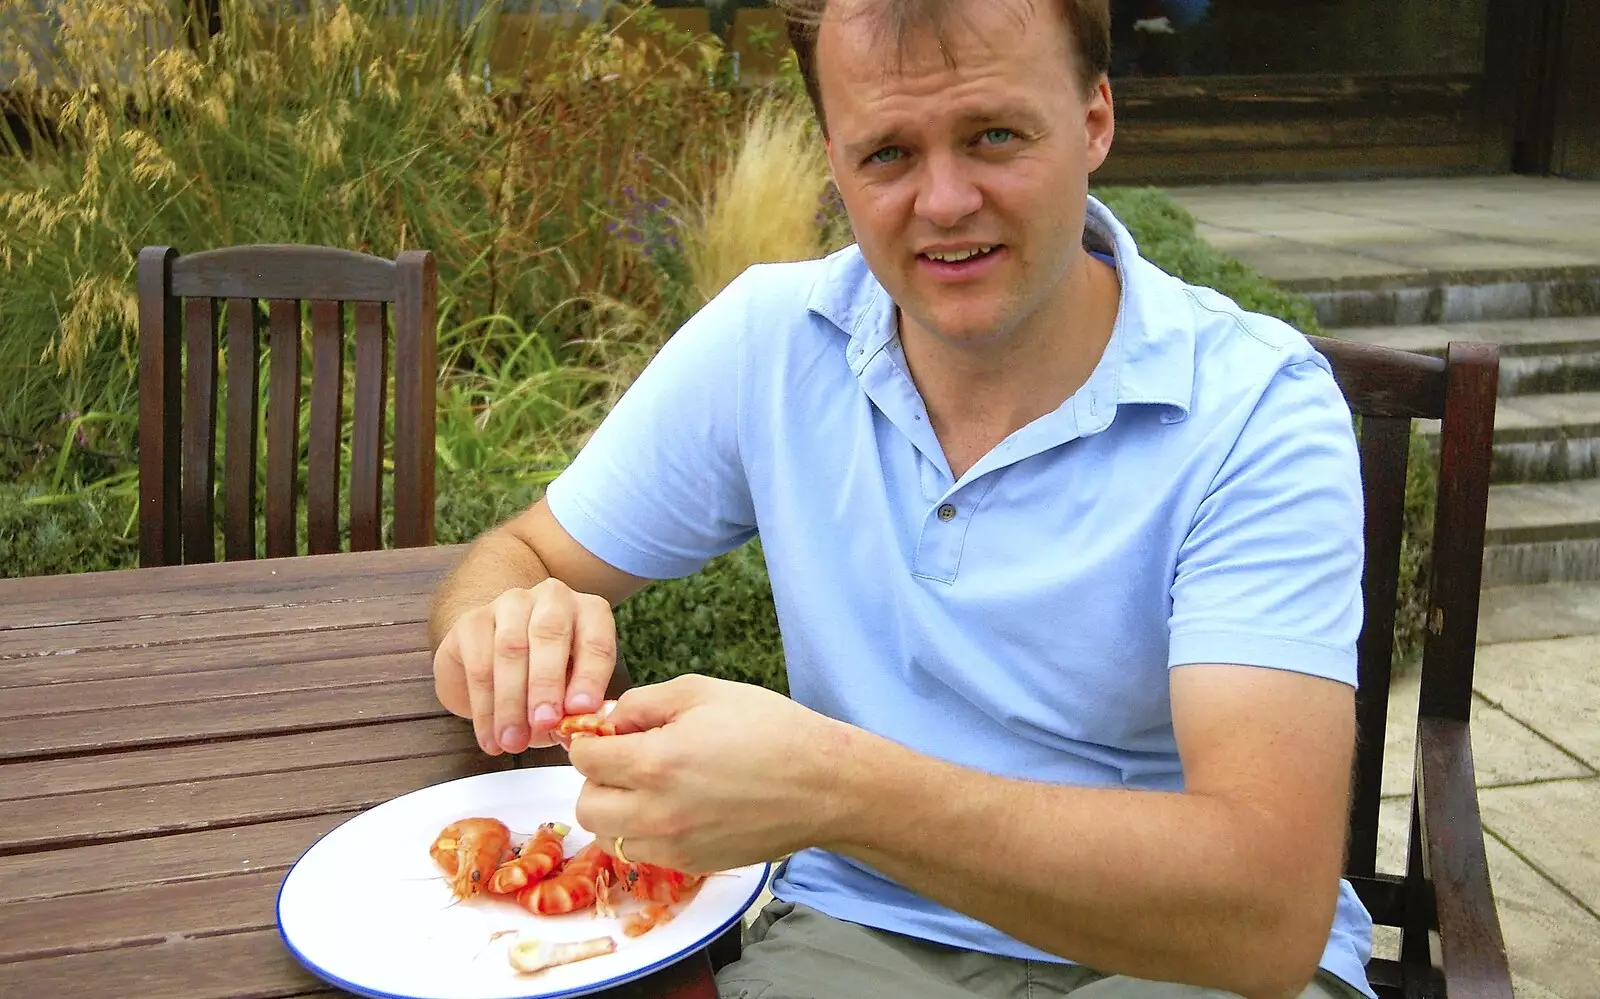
(549, 631)
(657, 704)
(607, 812)
(475, 644)
(594, 653)
(450, 677)
(510, 722)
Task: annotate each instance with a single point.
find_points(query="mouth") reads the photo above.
(963, 262)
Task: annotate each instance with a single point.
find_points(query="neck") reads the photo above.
(978, 394)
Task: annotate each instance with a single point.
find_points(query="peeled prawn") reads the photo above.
(530, 956)
(592, 723)
(647, 919)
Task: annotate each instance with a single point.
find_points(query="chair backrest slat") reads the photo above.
(366, 443)
(358, 304)
(244, 396)
(284, 271)
(200, 432)
(327, 411)
(160, 409)
(416, 359)
(1385, 445)
(283, 428)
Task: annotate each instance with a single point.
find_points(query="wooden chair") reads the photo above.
(1451, 943)
(178, 316)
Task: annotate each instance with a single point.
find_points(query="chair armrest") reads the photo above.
(1473, 951)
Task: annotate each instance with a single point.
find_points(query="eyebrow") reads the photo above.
(891, 136)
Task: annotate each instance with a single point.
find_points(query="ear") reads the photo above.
(827, 149)
(1099, 124)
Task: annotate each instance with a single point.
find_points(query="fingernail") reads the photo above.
(512, 736)
(579, 703)
(545, 715)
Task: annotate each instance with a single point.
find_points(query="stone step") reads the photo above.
(1536, 355)
(1541, 438)
(1451, 296)
(1542, 532)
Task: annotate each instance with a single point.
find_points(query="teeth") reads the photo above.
(960, 255)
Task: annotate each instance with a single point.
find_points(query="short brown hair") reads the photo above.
(1088, 22)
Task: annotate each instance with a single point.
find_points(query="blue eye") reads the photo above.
(1003, 133)
(877, 157)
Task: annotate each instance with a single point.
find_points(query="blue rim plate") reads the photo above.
(366, 909)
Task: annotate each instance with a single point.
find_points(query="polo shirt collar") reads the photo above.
(1149, 359)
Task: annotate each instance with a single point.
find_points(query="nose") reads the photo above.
(946, 194)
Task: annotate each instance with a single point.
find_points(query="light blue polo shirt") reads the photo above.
(1197, 500)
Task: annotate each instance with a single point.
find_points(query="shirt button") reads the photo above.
(947, 512)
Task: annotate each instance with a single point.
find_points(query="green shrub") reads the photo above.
(79, 532)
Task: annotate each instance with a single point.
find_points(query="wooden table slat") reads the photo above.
(205, 655)
(75, 819)
(143, 915)
(236, 758)
(159, 631)
(211, 853)
(161, 724)
(254, 965)
(246, 595)
(97, 696)
(250, 965)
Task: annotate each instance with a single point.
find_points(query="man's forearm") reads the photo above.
(1164, 886)
(497, 561)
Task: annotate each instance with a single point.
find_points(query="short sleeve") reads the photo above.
(659, 488)
(1270, 572)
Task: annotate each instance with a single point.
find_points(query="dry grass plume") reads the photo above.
(763, 206)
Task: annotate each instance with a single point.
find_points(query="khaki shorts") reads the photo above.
(795, 952)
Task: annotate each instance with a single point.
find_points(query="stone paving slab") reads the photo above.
(1540, 611)
(1504, 750)
(1400, 226)
(1551, 686)
(1554, 826)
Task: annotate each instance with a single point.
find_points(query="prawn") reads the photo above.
(656, 884)
(647, 919)
(535, 859)
(592, 723)
(469, 851)
(582, 881)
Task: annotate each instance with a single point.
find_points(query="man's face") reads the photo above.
(935, 163)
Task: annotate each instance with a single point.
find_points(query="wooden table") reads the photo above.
(172, 739)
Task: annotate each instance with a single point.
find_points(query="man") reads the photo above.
(1066, 555)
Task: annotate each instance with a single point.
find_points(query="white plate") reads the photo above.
(367, 909)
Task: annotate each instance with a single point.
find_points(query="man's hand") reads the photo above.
(506, 663)
(707, 774)
(524, 607)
